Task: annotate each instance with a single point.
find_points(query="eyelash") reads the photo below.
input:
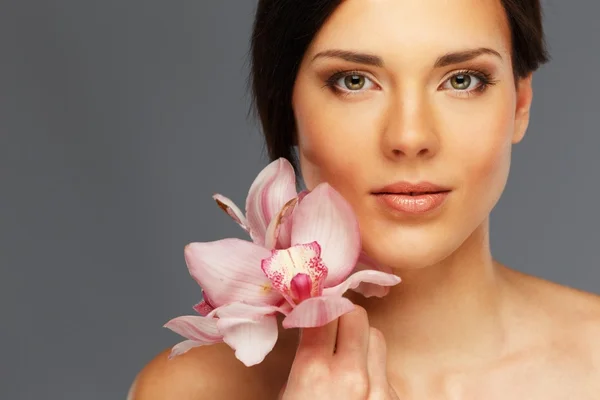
(485, 79)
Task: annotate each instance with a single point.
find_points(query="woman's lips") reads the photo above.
(413, 203)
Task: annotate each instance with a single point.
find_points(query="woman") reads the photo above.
(385, 100)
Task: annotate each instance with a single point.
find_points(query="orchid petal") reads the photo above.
(184, 347)
(284, 237)
(250, 330)
(229, 270)
(284, 265)
(370, 289)
(317, 311)
(325, 216)
(302, 194)
(200, 329)
(367, 289)
(203, 308)
(374, 277)
(252, 339)
(244, 310)
(286, 308)
(278, 234)
(232, 210)
(274, 186)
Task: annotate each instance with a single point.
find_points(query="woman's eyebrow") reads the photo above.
(376, 61)
(462, 56)
(352, 56)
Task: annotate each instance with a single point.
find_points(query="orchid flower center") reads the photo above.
(297, 272)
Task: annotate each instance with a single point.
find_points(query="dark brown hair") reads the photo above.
(283, 30)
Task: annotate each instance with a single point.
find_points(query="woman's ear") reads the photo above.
(523, 105)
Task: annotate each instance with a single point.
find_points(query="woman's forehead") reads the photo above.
(394, 26)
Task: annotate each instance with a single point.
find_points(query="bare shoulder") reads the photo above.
(585, 333)
(566, 302)
(571, 315)
(202, 372)
(211, 372)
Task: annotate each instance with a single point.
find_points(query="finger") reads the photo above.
(318, 341)
(353, 337)
(377, 363)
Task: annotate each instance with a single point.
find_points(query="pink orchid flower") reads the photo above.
(245, 284)
(271, 200)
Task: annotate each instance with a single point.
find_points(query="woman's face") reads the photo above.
(435, 101)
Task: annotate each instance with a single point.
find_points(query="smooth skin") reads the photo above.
(461, 325)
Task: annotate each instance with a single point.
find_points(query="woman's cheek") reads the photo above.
(333, 149)
(487, 164)
(335, 162)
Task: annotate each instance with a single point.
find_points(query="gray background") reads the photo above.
(119, 119)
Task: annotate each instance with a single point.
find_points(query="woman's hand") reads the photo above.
(351, 368)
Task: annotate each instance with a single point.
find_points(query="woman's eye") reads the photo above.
(353, 82)
(464, 82)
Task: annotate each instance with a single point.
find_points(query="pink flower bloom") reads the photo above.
(270, 202)
(246, 283)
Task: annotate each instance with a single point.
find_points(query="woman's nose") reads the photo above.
(410, 131)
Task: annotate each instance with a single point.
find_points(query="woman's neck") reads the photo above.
(447, 314)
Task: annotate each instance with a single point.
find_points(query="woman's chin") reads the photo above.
(410, 257)
(409, 262)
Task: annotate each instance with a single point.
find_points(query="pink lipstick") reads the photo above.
(412, 198)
